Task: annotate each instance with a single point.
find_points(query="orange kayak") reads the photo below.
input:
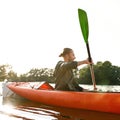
(103, 102)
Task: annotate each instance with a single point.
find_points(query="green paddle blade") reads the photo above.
(83, 20)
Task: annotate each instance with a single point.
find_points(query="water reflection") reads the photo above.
(20, 110)
(23, 109)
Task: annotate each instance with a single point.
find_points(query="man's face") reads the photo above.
(71, 56)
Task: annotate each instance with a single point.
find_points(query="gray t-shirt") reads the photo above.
(64, 76)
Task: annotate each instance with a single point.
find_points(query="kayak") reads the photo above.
(45, 94)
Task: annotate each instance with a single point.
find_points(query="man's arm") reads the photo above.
(83, 62)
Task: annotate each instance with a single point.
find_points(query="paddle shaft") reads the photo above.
(91, 66)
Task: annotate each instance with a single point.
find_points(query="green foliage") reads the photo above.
(43, 74)
(5, 72)
(85, 76)
(12, 76)
(105, 74)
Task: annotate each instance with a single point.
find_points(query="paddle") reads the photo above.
(83, 20)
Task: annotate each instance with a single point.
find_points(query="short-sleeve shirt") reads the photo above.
(64, 76)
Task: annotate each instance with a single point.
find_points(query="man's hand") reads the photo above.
(88, 62)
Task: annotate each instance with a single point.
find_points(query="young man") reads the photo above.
(64, 71)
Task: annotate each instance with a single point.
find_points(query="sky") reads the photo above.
(34, 32)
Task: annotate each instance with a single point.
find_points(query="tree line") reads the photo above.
(105, 74)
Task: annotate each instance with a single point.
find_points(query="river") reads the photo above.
(22, 109)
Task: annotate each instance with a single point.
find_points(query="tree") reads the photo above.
(4, 70)
(85, 76)
(12, 76)
(105, 74)
(43, 74)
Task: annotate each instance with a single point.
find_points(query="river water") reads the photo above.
(22, 109)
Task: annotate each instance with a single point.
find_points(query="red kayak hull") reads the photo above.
(103, 102)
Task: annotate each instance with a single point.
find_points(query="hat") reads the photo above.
(65, 51)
